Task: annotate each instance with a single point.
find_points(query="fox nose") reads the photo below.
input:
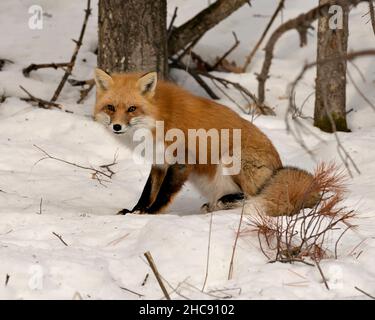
(117, 127)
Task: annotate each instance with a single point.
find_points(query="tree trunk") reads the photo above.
(330, 96)
(133, 36)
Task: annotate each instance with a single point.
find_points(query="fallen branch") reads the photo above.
(40, 102)
(96, 173)
(154, 269)
(365, 293)
(75, 53)
(60, 238)
(32, 67)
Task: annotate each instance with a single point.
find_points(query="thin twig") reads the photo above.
(85, 91)
(292, 109)
(133, 292)
(32, 67)
(249, 96)
(180, 65)
(208, 252)
(154, 269)
(228, 52)
(365, 293)
(7, 277)
(60, 238)
(322, 274)
(170, 28)
(41, 103)
(145, 280)
(231, 264)
(250, 57)
(76, 83)
(108, 172)
(339, 238)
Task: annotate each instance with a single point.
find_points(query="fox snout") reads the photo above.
(118, 128)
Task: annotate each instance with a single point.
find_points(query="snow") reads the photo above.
(105, 251)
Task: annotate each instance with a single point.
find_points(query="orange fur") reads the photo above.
(280, 192)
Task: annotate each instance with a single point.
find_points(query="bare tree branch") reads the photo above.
(170, 28)
(75, 53)
(205, 20)
(302, 24)
(250, 57)
(226, 54)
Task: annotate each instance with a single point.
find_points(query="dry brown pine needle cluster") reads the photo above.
(306, 235)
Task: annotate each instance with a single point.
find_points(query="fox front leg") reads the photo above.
(175, 178)
(150, 191)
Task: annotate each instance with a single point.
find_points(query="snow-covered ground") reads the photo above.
(105, 251)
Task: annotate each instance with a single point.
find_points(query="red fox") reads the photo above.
(132, 101)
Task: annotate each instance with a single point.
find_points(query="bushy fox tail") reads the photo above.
(286, 192)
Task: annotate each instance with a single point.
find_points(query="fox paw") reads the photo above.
(123, 212)
(217, 206)
(127, 211)
(207, 207)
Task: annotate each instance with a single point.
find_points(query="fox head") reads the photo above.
(124, 102)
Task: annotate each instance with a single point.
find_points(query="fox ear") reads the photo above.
(102, 79)
(147, 84)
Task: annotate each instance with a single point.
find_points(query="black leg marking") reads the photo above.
(143, 201)
(229, 201)
(234, 197)
(174, 180)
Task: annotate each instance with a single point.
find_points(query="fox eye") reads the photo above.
(132, 108)
(110, 107)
